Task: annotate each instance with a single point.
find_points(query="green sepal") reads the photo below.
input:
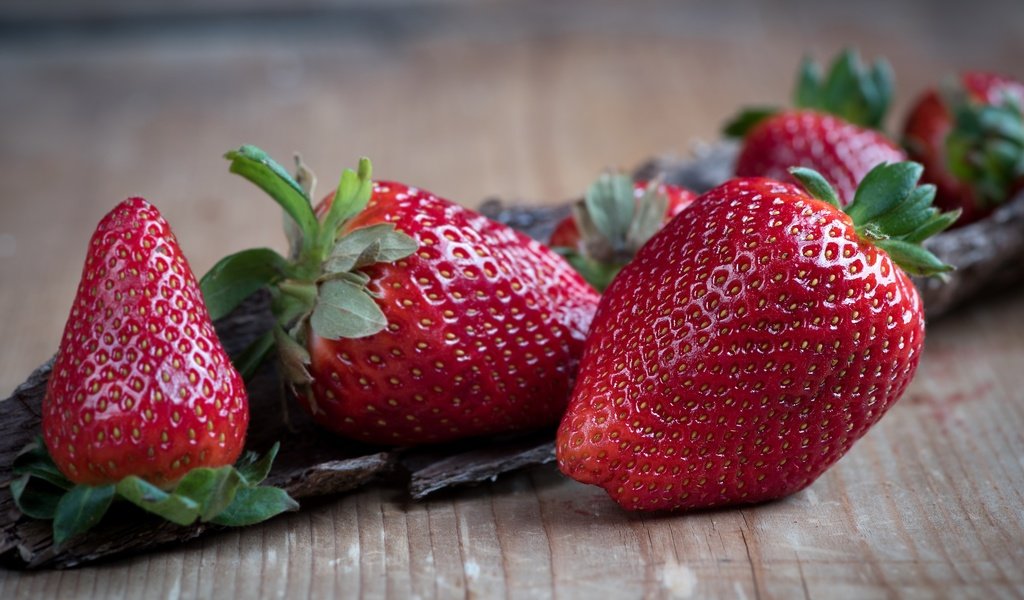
(741, 124)
(203, 494)
(892, 212)
(236, 277)
(816, 185)
(36, 497)
(368, 245)
(610, 204)
(850, 89)
(212, 490)
(180, 510)
(598, 274)
(82, 507)
(255, 165)
(913, 258)
(985, 147)
(253, 468)
(345, 310)
(882, 190)
(34, 460)
(350, 198)
(254, 505)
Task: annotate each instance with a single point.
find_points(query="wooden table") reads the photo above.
(527, 101)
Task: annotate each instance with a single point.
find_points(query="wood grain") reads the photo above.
(519, 100)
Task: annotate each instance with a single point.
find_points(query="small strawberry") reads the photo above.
(970, 139)
(752, 341)
(404, 318)
(617, 216)
(833, 128)
(142, 398)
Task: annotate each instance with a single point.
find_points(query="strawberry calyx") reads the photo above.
(230, 495)
(850, 90)
(985, 146)
(321, 285)
(613, 225)
(892, 212)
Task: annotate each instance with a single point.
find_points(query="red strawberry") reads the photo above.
(612, 221)
(142, 402)
(970, 140)
(141, 385)
(833, 129)
(752, 341)
(842, 152)
(407, 319)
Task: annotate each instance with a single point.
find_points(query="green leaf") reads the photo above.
(882, 189)
(350, 198)
(936, 224)
(650, 214)
(597, 274)
(816, 185)
(892, 212)
(212, 490)
(253, 164)
(79, 510)
(742, 123)
(913, 258)
(35, 460)
(255, 469)
(849, 89)
(177, 509)
(238, 276)
(345, 310)
(808, 83)
(254, 505)
(611, 205)
(36, 497)
(369, 245)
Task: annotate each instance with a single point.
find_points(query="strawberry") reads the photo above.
(833, 128)
(970, 139)
(617, 216)
(752, 341)
(404, 318)
(142, 398)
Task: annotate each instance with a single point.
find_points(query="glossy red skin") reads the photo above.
(141, 384)
(842, 152)
(485, 330)
(567, 235)
(748, 345)
(929, 123)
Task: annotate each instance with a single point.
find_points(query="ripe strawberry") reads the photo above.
(142, 403)
(970, 140)
(141, 385)
(406, 319)
(752, 341)
(842, 152)
(617, 216)
(833, 128)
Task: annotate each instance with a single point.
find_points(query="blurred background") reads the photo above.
(524, 100)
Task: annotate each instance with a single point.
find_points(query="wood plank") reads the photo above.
(522, 101)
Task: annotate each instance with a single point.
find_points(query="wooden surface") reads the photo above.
(522, 100)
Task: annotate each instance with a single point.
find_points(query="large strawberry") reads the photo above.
(970, 139)
(752, 341)
(614, 218)
(404, 318)
(833, 128)
(142, 402)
